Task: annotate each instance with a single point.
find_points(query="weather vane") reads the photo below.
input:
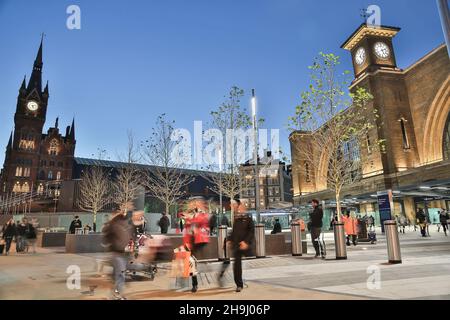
(364, 14)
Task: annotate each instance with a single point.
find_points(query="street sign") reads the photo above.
(384, 206)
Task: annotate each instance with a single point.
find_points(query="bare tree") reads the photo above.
(95, 191)
(166, 181)
(229, 117)
(331, 127)
(127, 184)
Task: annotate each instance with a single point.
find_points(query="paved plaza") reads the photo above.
(424, 274)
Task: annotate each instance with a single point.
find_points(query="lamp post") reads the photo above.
(255, 155)
(220, 182)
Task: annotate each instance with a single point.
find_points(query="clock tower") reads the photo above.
(372, 49)
(36, 162)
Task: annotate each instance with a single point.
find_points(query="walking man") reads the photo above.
(443, 218)
(240, 241)
(316, 228)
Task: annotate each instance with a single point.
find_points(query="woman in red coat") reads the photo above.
(351, 228)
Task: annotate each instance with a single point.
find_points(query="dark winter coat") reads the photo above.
(164, 224)
(276, 228)
(316, 217)
(443, 217)
(9, 231)
(75, 224)
(243, 230)
(117, 233)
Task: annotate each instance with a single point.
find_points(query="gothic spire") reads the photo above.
(9, 146)
(24, 83)
(36, 75)
(56, 122)
(72, 130)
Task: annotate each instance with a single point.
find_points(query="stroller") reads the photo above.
(146, 252)
(372, 235)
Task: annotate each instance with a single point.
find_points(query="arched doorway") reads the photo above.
(446, 140)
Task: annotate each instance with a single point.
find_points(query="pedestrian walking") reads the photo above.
(164, 223)
(117, 234)
(371, 221)
(443, 219)
(240, 240)
(224, 221)
(9, 233)
(30, 236)
(75, 224)
(422, 221)
(351, 228)
(212, 223)
(20, 237)
(315, 227)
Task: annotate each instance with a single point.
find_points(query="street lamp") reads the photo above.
(220, 182)
(255, 154)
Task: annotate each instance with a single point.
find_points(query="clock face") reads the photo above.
(382, 50)
(360, 56)
(32, 106)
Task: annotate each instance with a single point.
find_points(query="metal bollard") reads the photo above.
(296, 239)
(392, 241)
(221, 238)
(260, 237)
(339, 241)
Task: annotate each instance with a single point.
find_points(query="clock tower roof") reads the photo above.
(368, 30)
(36, 75)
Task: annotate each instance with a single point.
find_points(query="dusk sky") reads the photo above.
(133, 60)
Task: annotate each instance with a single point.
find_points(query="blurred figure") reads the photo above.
(371, 222)
(315, 223)
(224, 221)
(212, 223)
(30, 236)
(350, 226)
(117, 234)
(276, 227)
(75, 224)
(443, 219)
(9, 232)
(20, 237)
(402, 222)
(164, 223)
(422, 221)
(138, 222)
(240, 241)
(87, 229)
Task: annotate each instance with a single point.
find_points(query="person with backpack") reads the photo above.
(117, 234)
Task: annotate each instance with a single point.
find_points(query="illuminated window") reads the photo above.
(58, 175)
(53, 148)
(16, 188)
(18, 171)
(26, 187)
(40, 189)
(50, 175)
(26, 140)
(26, 172)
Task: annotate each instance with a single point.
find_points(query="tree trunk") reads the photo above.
(167, 209)
(338, 206)
(94, 223)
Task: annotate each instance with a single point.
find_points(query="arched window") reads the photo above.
(446, 147)
(58, 175)
(19, 171)
(50, 175)
(25, 187)
(40, 189)
(53, 147)
(27, 139)
(42, 175)
(16, 188)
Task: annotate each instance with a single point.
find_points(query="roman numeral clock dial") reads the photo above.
(360, 56)
(382, 50)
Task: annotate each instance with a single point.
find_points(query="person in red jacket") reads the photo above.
(351, 228)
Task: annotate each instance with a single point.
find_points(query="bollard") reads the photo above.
(339, 241)
(296, 239)
(260, 237)
(221, 238)
(392, 241)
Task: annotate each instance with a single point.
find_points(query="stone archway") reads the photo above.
(432, 144)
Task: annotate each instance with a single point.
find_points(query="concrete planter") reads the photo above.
(51, 239)
(84, 243)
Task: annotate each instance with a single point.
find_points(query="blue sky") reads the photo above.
(133, 60)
